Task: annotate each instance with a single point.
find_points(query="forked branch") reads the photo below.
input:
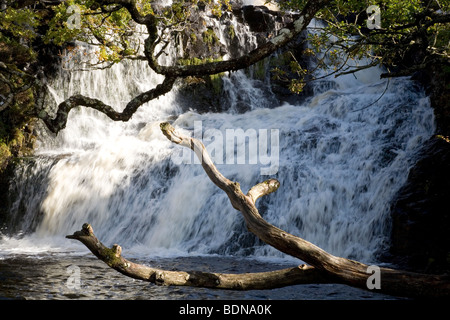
(340, 269)
(325, 267)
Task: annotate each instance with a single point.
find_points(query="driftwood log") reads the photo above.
(322, 267)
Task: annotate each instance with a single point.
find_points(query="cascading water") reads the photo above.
(340, 159)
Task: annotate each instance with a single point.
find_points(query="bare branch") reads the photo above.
(263, 189)
(325, 268)
(248, 281)
(342, 270)
(200, 150)
(355, 69)
(59, 121)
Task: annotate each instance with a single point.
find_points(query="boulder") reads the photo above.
(420, 238)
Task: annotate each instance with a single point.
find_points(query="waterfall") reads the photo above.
(340, 157)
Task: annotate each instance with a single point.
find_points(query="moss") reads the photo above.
(281, 60)
(210, 37)
(231, 32)
(193, 37)
(110, 257)
(165, 126)
(187, 62)
(5, 155)
(216, 83)
(196, 61)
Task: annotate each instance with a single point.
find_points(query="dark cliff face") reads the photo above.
(421, 212)
(436, 81)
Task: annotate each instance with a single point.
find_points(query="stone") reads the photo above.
(420, 238)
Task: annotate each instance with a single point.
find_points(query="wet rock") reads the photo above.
(435, 80)
(260, 19)
(420, 214)
(213, 38)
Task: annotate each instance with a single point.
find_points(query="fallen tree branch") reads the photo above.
(346, 271)
(247, 281)
(325, 267)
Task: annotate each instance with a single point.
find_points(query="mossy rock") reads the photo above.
(5, 155)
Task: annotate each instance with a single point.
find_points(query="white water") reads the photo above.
(340, 165)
